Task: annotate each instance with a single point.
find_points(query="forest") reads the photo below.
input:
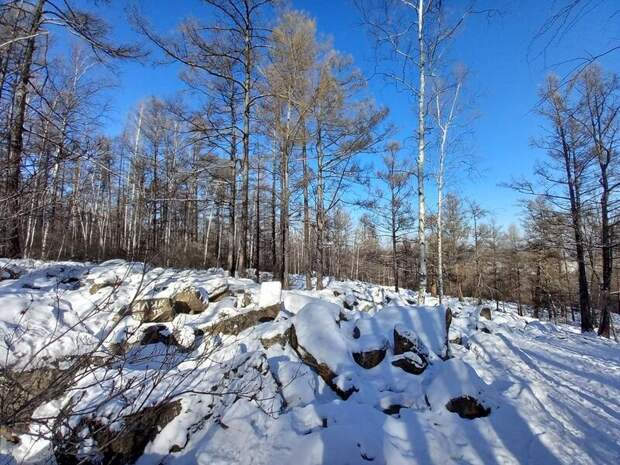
(261, 162)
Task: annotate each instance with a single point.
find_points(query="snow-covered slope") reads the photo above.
(236, 374)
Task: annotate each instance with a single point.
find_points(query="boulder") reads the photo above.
(393, 409)
(218, 292)
(118, 446)
(157, 334)
(459, 389)
(322, 369)
(186, 338)
(467, 407)
(98, 285)
(190, 300)
(485, 312)
(370, 358)
(406, 340)
(350, 302)
(153, 310)
(246, 300)
(183, 338)
(281, 339)
(238, 323)
(7, 273)
(71, 283)
(21, 392)
(410, 362)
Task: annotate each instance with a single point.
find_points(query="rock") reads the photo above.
(186, 337)
(97, 286)
(350, 302)
(238, 323)
(153, 310)
(410, 362)
(155, 334)
(21, 392)
(72, 283)
(330, 378)
(183, 338)
(7, 273)
(246, 299)
(31, 286)
(393, 409)
(411, 355)
(119, 446)
(456, 386)
(8, 436)
(218, 293)
(190, 300)
(447, 353)
(371, 357)
(467, 407)
(485, 312)
(281, 339)
(406, 340)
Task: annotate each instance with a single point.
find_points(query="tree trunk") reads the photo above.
(307, 260)
(243, 259)
(16, 138)
(604, 328)
(420, 161)
(320, 214)
(257, 226)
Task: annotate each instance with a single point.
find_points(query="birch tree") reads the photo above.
(408, 37)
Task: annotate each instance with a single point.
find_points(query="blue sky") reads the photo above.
(504, 79)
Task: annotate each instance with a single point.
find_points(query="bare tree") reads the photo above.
(446, 99)
(408, 37)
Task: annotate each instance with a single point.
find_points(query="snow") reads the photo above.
(554, 394)
(270, 293)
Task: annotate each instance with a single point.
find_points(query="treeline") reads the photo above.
(262, 140)
(257, 164)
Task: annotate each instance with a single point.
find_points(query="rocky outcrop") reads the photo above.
(467, 407)
(485, 312)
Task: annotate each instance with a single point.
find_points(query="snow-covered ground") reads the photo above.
(325, 377)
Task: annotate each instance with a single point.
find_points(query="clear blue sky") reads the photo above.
(504, 78)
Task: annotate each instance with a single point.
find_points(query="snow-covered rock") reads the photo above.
(287, 384)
